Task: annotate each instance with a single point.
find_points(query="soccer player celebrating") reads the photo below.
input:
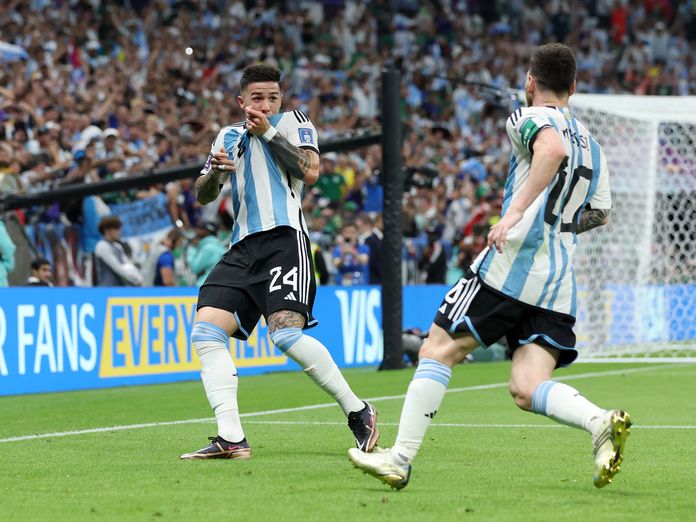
(522, 285)
(268, 269)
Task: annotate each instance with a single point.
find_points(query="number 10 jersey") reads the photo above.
(536, 266)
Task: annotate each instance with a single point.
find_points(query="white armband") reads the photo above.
(269, 134)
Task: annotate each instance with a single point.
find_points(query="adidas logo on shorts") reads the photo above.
(290, 297)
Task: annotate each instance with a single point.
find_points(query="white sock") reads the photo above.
(219, 376)
(316, 361)
(423, 399)
(566, 405)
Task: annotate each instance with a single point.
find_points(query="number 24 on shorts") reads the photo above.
(289, 279)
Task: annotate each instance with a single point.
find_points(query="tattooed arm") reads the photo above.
(300, 163)
(209, 184)
(592, 218)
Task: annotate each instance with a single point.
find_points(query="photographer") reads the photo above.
(350, 258)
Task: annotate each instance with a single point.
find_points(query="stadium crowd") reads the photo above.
(106, 90)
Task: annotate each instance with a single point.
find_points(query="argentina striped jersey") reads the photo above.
(536, 266)
(263, 196)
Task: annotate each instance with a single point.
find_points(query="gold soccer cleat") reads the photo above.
(379, 465)
(609, 445)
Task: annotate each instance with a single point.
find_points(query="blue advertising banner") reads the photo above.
(55, 339)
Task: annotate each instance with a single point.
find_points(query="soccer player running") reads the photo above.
(522, 285)
(268, 269)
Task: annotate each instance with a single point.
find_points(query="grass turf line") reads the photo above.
(302, 473)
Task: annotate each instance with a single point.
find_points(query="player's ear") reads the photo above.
(572, 88)
(531, 82)
(240, 101)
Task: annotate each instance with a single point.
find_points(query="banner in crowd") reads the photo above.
(55, 339)
(145, 223)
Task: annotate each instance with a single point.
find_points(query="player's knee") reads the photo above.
(521, 395)
(208, 336)
(286, 338)
(436, 351)
(428, 350)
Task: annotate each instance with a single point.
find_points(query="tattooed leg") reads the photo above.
(285, 319)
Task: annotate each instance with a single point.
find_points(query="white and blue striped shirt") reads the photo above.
(263, 196)
(536, 266)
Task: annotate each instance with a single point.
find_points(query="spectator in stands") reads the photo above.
(371, 236)
(330, 184)
(321, 271)
(350, 258)
(204, 251)
(434, 261)
(113, 266)
(41, 273)
(131, 91)
(159, 268)
(7, 254)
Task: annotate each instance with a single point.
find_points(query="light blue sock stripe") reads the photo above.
(430, 369)
(434, 370)
(203, 331)
(432, 363)
(540, 396)
(536, 397)
(437, 368)
(545, 396)
(285, 338)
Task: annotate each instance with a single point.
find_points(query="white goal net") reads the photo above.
(637, 275)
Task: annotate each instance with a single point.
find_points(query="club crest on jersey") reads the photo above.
(306, 136)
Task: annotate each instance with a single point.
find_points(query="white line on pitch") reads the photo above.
(316, 406)
(457, 425)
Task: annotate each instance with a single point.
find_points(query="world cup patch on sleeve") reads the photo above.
(306, 136)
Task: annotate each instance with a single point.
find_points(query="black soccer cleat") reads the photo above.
(219, 448)
(363, 424)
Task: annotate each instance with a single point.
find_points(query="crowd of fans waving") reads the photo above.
(108, 90)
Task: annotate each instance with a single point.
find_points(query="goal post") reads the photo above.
(636, 277)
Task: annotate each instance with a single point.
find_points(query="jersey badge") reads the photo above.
(306, 136)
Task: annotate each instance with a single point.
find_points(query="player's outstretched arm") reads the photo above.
(592, 218)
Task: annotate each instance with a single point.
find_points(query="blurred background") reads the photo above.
(97, 90)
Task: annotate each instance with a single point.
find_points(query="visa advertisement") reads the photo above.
(57, 339)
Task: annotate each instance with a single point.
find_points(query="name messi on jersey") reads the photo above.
(577, 139)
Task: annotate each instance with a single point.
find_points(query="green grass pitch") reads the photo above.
(482, 458)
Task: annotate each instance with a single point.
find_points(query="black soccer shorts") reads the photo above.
(262, 274)
(470, 306)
